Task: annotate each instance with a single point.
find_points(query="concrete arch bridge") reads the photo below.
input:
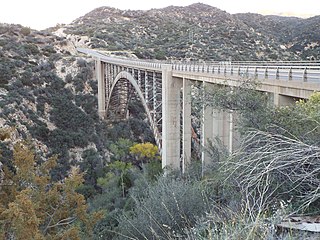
(165, 92)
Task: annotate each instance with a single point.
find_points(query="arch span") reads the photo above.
(123, 75)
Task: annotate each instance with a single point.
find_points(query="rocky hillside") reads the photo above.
(198, 31)
(48, 97)
(300, 36)
(47, 93)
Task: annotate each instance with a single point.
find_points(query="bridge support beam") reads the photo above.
(186, 121)
(100, 75)
(170, 118)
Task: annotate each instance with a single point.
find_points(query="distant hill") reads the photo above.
(300, 36)
(199, 31)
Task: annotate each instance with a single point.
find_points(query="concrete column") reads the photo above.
(100, 75)
(206, 134)
(186, 128)
(225, 128)
(218, 124)
(234, 142)
(170, 118)
(207, 130)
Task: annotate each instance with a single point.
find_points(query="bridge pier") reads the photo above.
(186, 124)
(207, 134)
(170, 118)
(220, 124)
(100, 75)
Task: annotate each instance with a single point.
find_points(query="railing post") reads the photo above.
(255, 73)
(277, 74)
(305, 75)
(290, 74)
(266, 73)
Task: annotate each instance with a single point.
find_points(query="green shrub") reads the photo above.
(168, 207)
(25, 31)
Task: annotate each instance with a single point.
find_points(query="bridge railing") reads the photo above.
(128, 62)
(272, 71)
(301, 71)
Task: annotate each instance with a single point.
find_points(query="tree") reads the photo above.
(147, 157)
(121, 150)
(145, 151)
(32, 206)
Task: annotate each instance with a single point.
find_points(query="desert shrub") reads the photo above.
(25, 31)
(271, 168)
(168, 207)
(48, 50)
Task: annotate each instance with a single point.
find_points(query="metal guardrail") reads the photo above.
(129, 62)
(300, 71)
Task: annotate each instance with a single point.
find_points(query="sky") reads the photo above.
(41, 14)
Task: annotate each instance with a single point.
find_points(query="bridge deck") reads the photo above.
(295, 79)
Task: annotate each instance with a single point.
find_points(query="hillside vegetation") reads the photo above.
(66, 174)
(199, 31)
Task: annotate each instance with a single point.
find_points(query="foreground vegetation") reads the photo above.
(273, 174)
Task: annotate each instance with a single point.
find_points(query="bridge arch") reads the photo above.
(123, 75)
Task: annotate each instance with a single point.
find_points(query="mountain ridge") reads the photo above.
(198, 31)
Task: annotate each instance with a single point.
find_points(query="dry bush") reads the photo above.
(271, 167)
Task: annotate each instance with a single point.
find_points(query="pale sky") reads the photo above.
(40, 14)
